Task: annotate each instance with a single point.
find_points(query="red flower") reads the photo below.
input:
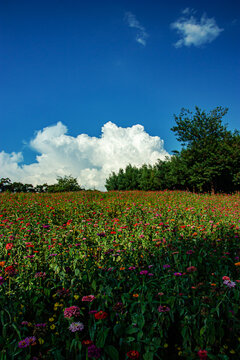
(9, 246)
(202, 354)
(133, 354)
(100, 315)
(10, 270)
(87, 342)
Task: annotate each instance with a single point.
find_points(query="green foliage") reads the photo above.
(208, 162)
(66, 183)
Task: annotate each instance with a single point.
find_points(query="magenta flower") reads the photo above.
(94, 352)
(88, 298)
(163, 308)
(143, 272)
(27, 342)
(72, 311)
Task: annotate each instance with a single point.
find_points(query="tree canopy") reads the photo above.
(208, 162)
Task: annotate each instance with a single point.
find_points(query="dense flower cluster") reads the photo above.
(72, 311)
(31, 340)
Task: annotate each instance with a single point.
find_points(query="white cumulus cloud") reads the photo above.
(132, 22)
(89, 159)
(193, 31)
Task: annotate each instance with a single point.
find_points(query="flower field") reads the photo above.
(119, 275)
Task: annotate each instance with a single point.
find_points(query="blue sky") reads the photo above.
(82, 64)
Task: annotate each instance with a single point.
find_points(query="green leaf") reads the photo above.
(112, 352)
(148, 356)
(17, 331)
(102, 335)
(130, 330)
(202, 331)
(130, 339)
(94, 285)
(119, 330)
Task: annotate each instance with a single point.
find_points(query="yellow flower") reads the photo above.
(76, 297)
(232, 352)
(52, 327)
(51, 319)
(180, 353)
(41, 341)
(165, 345)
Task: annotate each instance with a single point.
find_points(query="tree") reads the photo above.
(207, 149)
(65, 183)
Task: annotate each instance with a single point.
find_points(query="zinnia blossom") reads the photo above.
(133, 354)
(163, 308)
(76, 326)
(9, 246)
(229, 283)
(100, 315)
(143, 272)
(31, 340)
(94, 352)
(88, 298)
(71, 311)
(10, 270)
(87, 342)
(202, 354)
(191, 269)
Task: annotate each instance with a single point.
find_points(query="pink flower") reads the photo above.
(71, 311)
(191, 269)
(202, 354)
(88, 298)
(163, 308)
(143, 272)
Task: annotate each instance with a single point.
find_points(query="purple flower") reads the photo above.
(132, 268)
(94, 352)
(229, 283)
(1, 280)
(76, 326)
(163, 308)
(166, 266)
(27, 342)
(143, 272)
(177, 274)
(102, 234)
(41, 325)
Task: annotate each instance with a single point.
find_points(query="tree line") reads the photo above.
(208, 162)
(65, 183)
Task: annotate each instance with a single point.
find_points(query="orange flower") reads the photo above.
(237, 264)
(135, 295)
(122, 268)
(2, 263)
